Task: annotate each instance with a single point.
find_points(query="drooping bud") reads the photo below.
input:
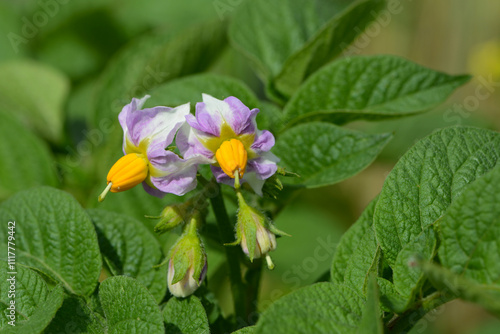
(126, 173)
(232, 157)
(255, 233)
(187, 266)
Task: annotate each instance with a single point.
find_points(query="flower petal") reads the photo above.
(264, 141)
(189, 144)
(264, 166)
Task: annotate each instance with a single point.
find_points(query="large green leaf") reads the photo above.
(470, 231)
(320, 308)
(129, 307)
(185, 316)
(131, 250)
(25, 160)
(154, 59)
(370, 87)
(35, 93)
(324, 154)
(35, 305)
(326, 44)
(189, 89)
(56, 237)
(427, 179)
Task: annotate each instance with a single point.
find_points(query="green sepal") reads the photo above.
(283, 172)
(171, 217)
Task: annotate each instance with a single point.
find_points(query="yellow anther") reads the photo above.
(232, 157)
(126, 173)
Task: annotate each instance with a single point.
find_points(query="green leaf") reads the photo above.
(189, 89)
(75, 315)
(371, 321)
(390, 299)
(29, 293)
(245, 330)
(324, 154)
(320, 308)
(154, 59)
(470, 231)
(365, 261)
(427, 179)
(132, 250)
(129, 307)
(35, 93)
(20, 152)
(56, 237)
(448, 283)
(350, 243)
(35, 305)
(407, 276)
(185, 316)
(326, 44)
(370, 87)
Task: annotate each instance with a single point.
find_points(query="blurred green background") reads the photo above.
(55, 54)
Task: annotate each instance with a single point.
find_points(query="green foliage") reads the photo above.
(324, 308)
(185, 316)
(18, 144)
(287, 40)
(427, 179)
(130, 249)
(371, 322)
(370, 87)
(129, 307)
(34, 93)
(324, 154)
(57, 236)
(470, 231)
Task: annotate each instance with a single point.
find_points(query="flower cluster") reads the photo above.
(222, 134)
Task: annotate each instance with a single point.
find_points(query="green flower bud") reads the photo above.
(171, 217)
(187, 266)
(254, 232)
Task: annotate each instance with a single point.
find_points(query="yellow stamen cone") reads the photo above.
(232, 157)
(126, 173)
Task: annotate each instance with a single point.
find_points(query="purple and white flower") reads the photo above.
(217, 121)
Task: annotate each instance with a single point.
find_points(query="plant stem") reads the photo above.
(226, 232)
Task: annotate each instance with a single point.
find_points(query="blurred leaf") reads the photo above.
(132, 250)
(371, 321)
(320, 308)
(185, 316)
(326, 44)
(189, 89)
(25, 160)
(390, 299)
(324, 154)
(41, 316)
(449, 283)
(427, 179)
(129, 307)
(470, 230)
(154, 59)
(370, 87)
(57, 236)
(270, 117)
(34, 93)
(75, 315)
(13, 41)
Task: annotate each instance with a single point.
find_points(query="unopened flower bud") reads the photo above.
(255, 233)
(187, 265)
(171, 217)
